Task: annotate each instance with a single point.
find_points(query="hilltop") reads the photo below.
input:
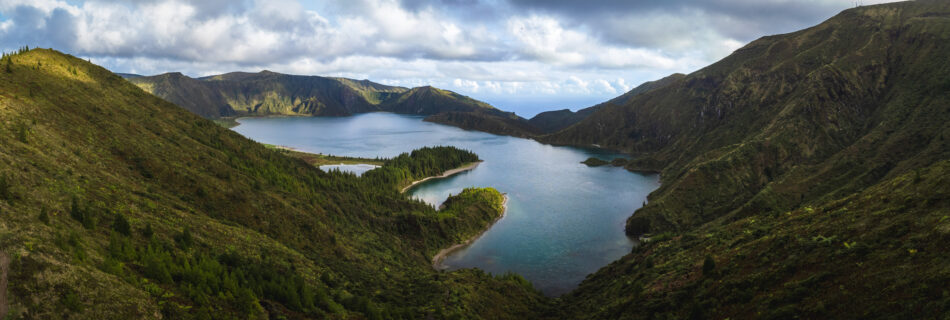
(271, 93)
(118, 204)
(805, 175)
(553, 121)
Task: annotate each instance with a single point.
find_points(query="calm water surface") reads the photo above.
(564, 220)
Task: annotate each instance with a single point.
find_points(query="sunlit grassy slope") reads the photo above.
(804, 176)
(117, 204)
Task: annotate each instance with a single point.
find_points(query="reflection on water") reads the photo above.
(564, 219)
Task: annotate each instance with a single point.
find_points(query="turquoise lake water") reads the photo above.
(564, 220)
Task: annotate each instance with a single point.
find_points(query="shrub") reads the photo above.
(5, 188)
(121, 225)
(147, 232)
(709, 266)
(184, 239)
(44, 216)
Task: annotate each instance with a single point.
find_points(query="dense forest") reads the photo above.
(418, 164)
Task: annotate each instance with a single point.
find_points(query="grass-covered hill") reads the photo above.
(115, 204)
(270, 93)
(790, 120)
(553, 121)
(804, 176)
(191, 94)
(498, 123)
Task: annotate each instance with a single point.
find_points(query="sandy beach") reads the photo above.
(444, 175)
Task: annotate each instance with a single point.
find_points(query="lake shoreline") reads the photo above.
(560, 189)
(440, 256)
(319, 159)
(444, 175)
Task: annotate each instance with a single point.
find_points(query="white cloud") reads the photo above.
(496, 50)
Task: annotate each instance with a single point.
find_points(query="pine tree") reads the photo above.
(44, 216)
(5, 186)
(121, 225)
(147, 232)
(184, 239)
(709, 266)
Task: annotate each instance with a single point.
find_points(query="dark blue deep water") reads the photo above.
(564, 220)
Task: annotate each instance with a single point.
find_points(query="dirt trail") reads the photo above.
(4, 269)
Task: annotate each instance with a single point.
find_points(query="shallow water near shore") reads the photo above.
(564, 220)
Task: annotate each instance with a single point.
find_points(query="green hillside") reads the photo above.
(507, 124)
(189, 93)
(116, 204)
(789, 120)
(553, 121)
(271, 93)
(804, 176)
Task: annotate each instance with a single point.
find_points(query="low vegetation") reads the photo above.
(804, 176)
(317, 160)
(117, 204)
(806, 172)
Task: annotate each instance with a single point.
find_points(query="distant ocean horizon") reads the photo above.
(531, 106)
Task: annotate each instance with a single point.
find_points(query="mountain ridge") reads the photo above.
(272, 93)
(119, 204)
(802, 177)
(557, 120)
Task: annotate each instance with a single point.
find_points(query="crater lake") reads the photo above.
(564, 219)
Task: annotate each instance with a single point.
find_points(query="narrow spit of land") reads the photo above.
(317, 160)
(440, 256)
(445, 174)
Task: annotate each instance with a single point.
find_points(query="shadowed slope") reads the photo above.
(789, 119)
(117, 204)
(553, 121)
(804, 176)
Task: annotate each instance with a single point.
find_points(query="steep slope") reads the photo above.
(507, 124)
(877, 254)
(428, 100)
(789, 119)
(271, 93)
(117, 204)
(553, 121)
(804, 176)
(129, 75)
(274, 93)
(191, 94)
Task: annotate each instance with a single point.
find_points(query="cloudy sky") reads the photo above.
(521, 55)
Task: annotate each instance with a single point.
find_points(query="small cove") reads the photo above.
(564, 219)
